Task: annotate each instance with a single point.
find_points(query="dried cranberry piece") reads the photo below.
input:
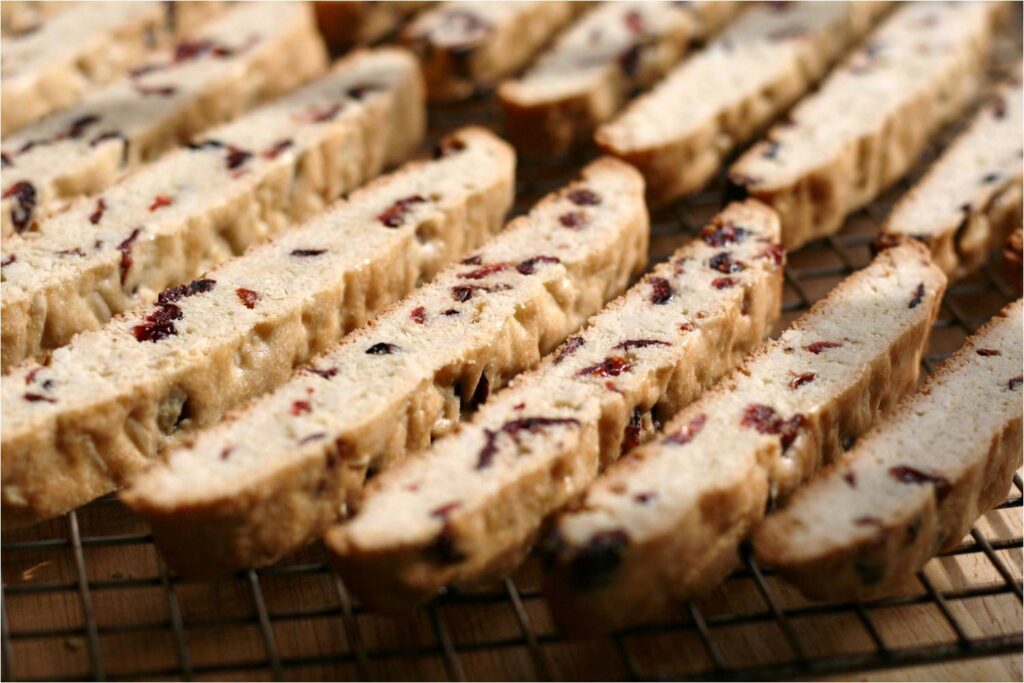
(775, 252)
(190, 49)
(5, 160)
(159, 324)
(160, 201)
(8, 260)
(685, 327)
(568, 348)
(75, 251)
(687, 432)
(584, 197)
(358, 92)
(462, 293)
(418, 315)
(35, 398)
(1015, 382)
(24, 194)
(819, 346)
(528, 267)
(442, 511)
(301, 407)
(472, 260)
(326, 373)
(236, 157)
(634, 22)
(394, 216)
(306, 253)
(661, 291)
(172, 294)
(97, 215)
(612, 366)
(247, 297)
(918, 296)
(987, 352)
(574, 220)
(800, 380)
(512, 428)
(485, 271)
(448, 146)
(868, 521)
(639, 344)
(382, 349)
(851, 479)
(766, 421)
(771, 150)
(910, 475)
(126, 252)
(724, 263)
(723, 282)
(276, 149)
(79, 125)
(717, 235)
(999, 107)
(315, 114)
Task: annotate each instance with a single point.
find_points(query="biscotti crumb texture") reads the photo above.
(915, 484)
(85, 45)
(593, 68)
(124, 393)
(679, 134)
(275, 474)
(251, 54)
(469, 508)
(617, 559)
(465, 47)
(869, 121)
(168, 222)
(970, 200)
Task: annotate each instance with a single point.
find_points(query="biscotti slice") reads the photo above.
(470, 507)
(469, 46)
(970, 200)
(593, 68)
(344, 24)
(253, 53)
(176, 218)
(666, 522)
(872, 117)
(276, 474)
(71, 51)
(679, 133)
(915, 484)
(107, 404)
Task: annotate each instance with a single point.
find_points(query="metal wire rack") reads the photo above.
(88, 597)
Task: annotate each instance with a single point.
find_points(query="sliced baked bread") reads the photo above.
(666, 521)
(970, 200)
(470, 507)
(915, 484)
(106, 405)
(470, 46)
(679, 134)
(594, 67)
(277, 473)
(252, 53)
(171, 221)
(872, 117)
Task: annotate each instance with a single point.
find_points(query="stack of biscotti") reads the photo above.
(666, 522)
(87, 44)
(915, 484)
(466, 47)
(176, 218)
(593, 68)
(869, 121)
(970, 200)
(251, 54)
(679, 134)
(344, 24)
(107, 404)
(275, 474)
(469, 508)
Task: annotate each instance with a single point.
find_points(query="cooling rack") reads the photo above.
(87, 596)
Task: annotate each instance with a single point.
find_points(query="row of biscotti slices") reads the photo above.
(467, 46)
(869, 121)
(274, 475)
(594, 67)
(112, 400)
(666, 522)
(345, 24)
(970, 200)
(679, 133)
(913, 485)
(172, 220)
(250, 54)
(472, 504)
(56, 60)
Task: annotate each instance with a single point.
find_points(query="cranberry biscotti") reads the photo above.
(593, 68)
(679, 133)
(109, 403)
(252, 53)
(915, 484)
(275, 474)
(471, 506)
(970, 200)
(871, 118)
(176, 218)
(667, 520)
(469, 46)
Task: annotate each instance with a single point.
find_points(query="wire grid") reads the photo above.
(88, 597)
